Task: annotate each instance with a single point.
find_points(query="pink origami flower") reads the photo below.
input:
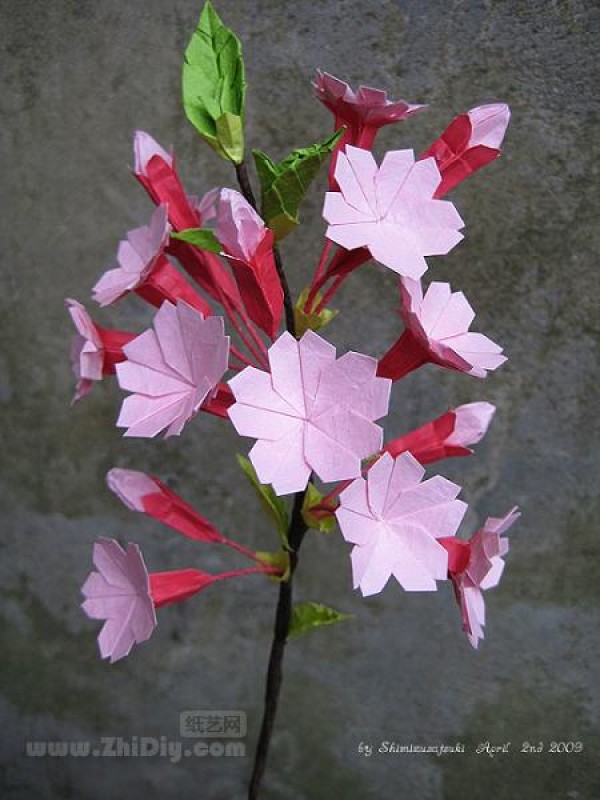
(145, 269)
(394, 522)
(156, 171)
(119, 593)
(437, 332)
(475, 566)
(310, 412)
(470, 142)
(249, 245)
(94, 350)
(450, 435)
(390, 210)
(171, 370)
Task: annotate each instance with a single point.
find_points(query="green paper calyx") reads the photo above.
(203, 238)
(312, 498)
(284, 185)
(307, 616)
(279, 560)
(311, 321)
(214, 86)
(272, 504)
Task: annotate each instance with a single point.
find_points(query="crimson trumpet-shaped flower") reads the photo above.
(94, 350)
(248, 243)
(144, 268)
(390, 210)
(171, 370)
(450, 435)
(470, 142)
(362, 112)
(394, 520)
(437, 332)
(311, 412)
(475, 566)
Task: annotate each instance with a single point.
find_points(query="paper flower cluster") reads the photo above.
(212, 270)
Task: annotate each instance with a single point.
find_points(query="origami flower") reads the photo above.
(447, 436)
(119, 593)
(470, 142)
(394, 521)
(147, 494)
(310, 412)
(94, 350)
(137, 255)
(475, 566)
(437, 332)
(171, 370)
(249, 245)
(156, 171)
(362, 112)
(391, 210)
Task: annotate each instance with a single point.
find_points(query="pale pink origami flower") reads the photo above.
(437, 332)
(471, 141)
(477, 565)
(390, 210)
(248, 243)
(137, 256)
(171, 370)
(394, 522)
(119, 593)
(450, 435)
(310, 412)
(94, 350)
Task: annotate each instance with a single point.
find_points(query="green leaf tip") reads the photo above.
(284, 185)
(273, 505)
(306, 616)
(214, 85)
(203, 238)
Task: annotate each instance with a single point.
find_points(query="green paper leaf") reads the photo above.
(284, 185)
(312, 498)
(274, 506)
(311, 321)
(214, 86)
(203, 238)
(306, 616)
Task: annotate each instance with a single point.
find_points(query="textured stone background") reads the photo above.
(80, 77)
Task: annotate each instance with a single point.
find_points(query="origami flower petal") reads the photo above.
(471, 423)
(119, 593)
(437, 326)
(144, 149)
(310, 412)
(138, 254)
(391, 210)
(394, 520)
(171, 370)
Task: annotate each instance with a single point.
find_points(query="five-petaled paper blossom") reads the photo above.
(119, 593)
(137, 256)
(437, 332)
(477, 565)
(94, 350)
(390, 210)
(171, 370)
(394, 520)
(311, 412)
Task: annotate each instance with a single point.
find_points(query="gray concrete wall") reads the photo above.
(79, 78)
